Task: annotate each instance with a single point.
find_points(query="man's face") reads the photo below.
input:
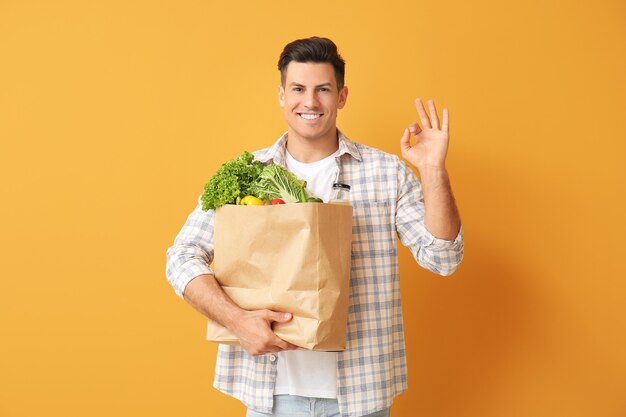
(310, 100)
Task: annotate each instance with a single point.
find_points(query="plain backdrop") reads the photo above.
(114, 114)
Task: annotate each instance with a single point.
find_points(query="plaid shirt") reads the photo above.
(387, 200)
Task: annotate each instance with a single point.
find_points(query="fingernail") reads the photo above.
(287, 316)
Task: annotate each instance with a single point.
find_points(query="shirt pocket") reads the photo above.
(373, 233)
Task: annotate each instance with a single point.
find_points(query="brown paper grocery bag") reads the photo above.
(291, 257)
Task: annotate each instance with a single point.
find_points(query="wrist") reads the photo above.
(432, 171)
(233, 318)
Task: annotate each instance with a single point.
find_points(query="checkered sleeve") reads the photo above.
(437, 255)
(192, 251)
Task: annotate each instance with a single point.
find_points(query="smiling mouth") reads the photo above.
(310, 116)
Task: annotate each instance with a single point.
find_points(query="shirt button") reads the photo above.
(272, 357)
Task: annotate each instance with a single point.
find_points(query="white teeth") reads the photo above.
(309, 116)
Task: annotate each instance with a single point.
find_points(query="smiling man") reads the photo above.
(271, 376)
(310, 96)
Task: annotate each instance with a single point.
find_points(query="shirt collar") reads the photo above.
(277, 152)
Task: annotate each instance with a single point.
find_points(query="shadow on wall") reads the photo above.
(469, 336)
(463, 334)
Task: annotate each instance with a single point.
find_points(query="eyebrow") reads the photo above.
(294, 84)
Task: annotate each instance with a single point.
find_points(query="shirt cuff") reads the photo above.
(188, 271)
(437, 243)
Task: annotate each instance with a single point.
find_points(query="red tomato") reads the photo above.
(276, 201)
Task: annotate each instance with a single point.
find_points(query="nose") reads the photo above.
(311, 100)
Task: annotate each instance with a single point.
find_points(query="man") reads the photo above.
(267, 373)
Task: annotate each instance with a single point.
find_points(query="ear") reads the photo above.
(343, 97)
(281, 96)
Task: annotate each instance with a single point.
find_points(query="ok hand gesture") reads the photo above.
(431, 143)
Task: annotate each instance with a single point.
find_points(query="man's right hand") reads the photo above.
(254, 331)
(252, 328)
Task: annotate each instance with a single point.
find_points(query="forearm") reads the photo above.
(441, 215)
(206, 295)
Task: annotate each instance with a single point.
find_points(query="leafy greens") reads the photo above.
(233, 179)
(276, 182)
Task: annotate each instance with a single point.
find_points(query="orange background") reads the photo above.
(114, 114)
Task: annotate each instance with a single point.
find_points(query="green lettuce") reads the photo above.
(233, 179)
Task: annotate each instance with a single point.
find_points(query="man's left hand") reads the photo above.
(431, 142)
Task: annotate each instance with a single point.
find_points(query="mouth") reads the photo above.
(310, 116)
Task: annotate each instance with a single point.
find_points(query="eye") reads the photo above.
(297, 89)
(324, 89)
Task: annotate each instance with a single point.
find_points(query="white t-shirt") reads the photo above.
(304, 372)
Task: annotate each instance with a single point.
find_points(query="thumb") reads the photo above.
(278, 316)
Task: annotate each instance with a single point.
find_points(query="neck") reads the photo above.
(307, 150)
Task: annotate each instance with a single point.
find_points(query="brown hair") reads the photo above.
(314, 49)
